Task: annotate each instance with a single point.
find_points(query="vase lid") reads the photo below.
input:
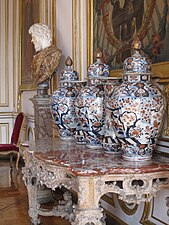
(69, 74)
(98, 68)
(137, 63)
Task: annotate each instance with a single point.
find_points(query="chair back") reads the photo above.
(17, 128)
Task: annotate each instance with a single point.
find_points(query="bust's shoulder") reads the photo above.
(47, 55)
(45, 62)
(51, 49)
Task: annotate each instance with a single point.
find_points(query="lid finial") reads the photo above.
(136, 44)
(68, 61)
(99, 54)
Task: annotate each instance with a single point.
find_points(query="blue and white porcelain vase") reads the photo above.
(90, 104)
(62, 102)
(137, 107)
(110, 143)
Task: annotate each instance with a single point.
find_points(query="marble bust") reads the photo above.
(47, 56)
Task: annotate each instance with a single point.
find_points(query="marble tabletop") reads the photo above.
(82, 161)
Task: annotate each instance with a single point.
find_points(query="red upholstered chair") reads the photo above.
(6, 149)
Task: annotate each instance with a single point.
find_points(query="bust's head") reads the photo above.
(41, 36)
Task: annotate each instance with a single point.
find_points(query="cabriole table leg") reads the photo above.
(88, 210)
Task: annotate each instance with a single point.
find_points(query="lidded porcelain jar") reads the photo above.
(137, 107)
(62, 102)
(89, 105)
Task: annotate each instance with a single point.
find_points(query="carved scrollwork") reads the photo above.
(37, 174)
(64, 209)
(33, 214)
(107, 186)
(132, 189)
(29, 176)
(40, 173)
(89, 216)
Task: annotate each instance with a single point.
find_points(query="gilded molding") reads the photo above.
(90, 32)
(30, 131)
(4, 56)
(14, 55)
(54, 21)
(19, 44)
(127, 210)
(108, 199)
(155, 218)
(146, 212)
(75, 32)
(6, 52)
(19, 102)
(79, 35)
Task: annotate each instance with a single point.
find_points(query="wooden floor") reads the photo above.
(14, 200)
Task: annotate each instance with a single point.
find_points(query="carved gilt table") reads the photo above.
(91, 173)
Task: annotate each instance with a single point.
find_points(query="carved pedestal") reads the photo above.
(43, 117)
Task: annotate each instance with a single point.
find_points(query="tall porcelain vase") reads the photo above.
(89, 108)
(137, 107)
(90, 104)
(62, 102)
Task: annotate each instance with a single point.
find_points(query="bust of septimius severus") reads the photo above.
(47, 56)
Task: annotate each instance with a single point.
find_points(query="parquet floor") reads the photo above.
(14, 200)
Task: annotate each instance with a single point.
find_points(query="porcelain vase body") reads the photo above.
(137, 108)
(62, 108)
(110, 143)
(90, 112)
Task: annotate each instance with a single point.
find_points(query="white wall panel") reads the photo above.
(16, 52)
(6, 56)
(4, 130)
(64, 26)
(27, 105)
(3, 55)
(6, 127)
(71, 27)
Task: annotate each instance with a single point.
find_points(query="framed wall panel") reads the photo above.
(29, 14)
(33, 11)
(4, 61)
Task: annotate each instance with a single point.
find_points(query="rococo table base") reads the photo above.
(91, 174)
